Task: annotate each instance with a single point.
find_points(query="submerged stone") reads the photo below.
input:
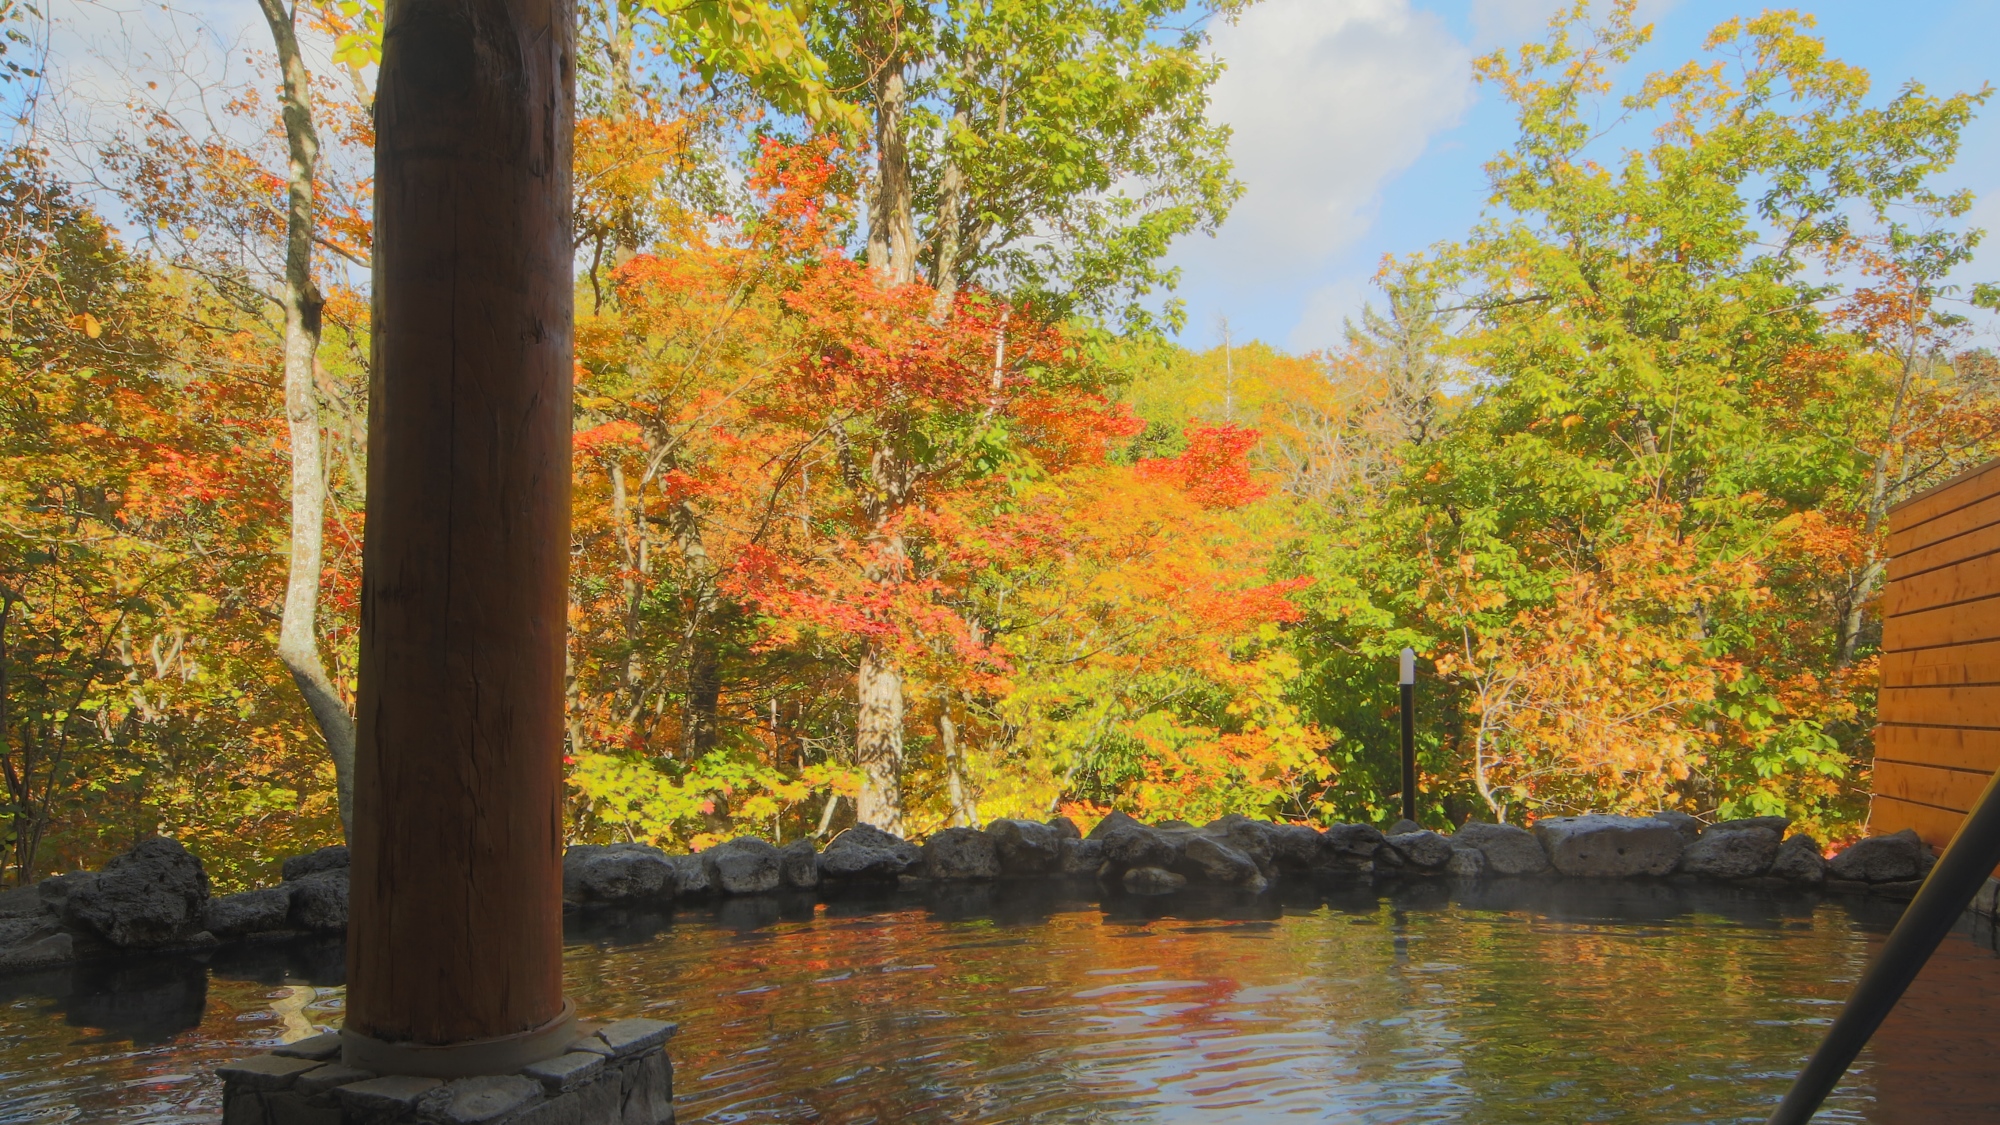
(1152, 881)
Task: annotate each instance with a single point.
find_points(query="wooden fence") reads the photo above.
(1938, 735)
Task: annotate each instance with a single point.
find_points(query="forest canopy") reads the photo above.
(895, 500)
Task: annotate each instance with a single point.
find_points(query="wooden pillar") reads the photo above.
(455, 931)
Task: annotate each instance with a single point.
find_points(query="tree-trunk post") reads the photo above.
(455, 931)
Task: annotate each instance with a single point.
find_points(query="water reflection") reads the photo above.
(1510, 1001)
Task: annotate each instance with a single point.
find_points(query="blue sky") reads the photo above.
(1359, 133)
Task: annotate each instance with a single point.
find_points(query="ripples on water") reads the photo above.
(1536, 1002)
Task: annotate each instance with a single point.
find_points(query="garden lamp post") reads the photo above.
(1407, 681)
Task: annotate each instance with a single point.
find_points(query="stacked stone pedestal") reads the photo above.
(617, 1075)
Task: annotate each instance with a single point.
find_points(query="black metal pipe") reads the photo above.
(1943, 898)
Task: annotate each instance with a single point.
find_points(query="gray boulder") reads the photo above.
(961, 853)
(1152, 881)
(1079, 857)
(155, 894)
(621, 874)
(798, 865)
(1466, 863)
(1738, 853)
(54, 948)
(1112, 821)
(1402, 826)
(1261, 841)
(1894, 858)
(1509, 849)
(312, 863)
(687, 877)
(1134, 845)
(1066, 828)
(1421, 851)
(866, 852)
(1690, 828)
(1213, 861)
(1025, 847)
(1352, 846)
(1611, 847)
(743, 866)
(319, 902)
(250, 912)
(1798, 860)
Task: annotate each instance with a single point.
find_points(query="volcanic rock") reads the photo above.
(743, 866)
(155, 894)
(1610, 846)
(1736, 853)
(1893, 858)
(961, 853)
(1509, 850)
(1025, 847)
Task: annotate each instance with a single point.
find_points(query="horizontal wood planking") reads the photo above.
(1889, 814)
(1945, 747)
(1977, 511)
(1951, 705)
(1964, 581)
(1956, 790)
(1955, 664)
(1948, 625)
(1971, 544)
(1940, 500)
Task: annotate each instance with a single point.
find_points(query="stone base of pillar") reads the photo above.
(615, 1075)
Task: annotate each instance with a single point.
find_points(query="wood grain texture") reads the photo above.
(1946, 747)
(1977, 663)
(1949, 625)
(1945, 706)
(1890, 814)
(1965, 581)
(1942, 500)
(1936, 786)
(1969, 513)
(455, 931)
(1971, 544)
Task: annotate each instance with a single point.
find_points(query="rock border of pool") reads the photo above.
(155, 897)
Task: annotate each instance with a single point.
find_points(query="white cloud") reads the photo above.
(1328, 100)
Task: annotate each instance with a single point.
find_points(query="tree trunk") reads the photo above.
(892, 232)
(964, 810)
(878, 739)
(948, 232)
(298, 629)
